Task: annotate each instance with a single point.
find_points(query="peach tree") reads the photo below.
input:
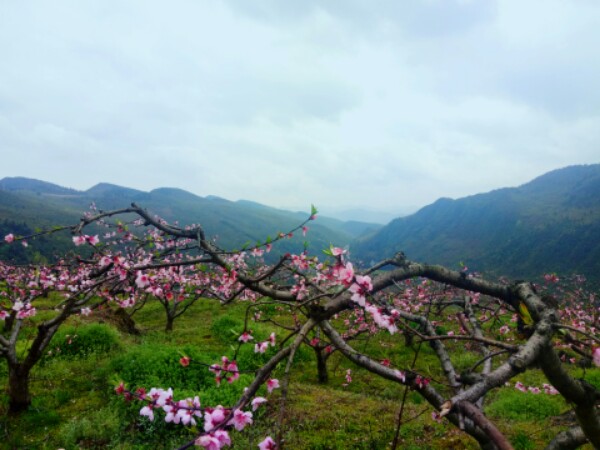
(512, 327)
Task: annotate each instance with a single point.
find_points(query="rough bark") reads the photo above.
(322, 374)
(18, 389)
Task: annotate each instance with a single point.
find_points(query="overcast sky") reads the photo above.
(384, 105)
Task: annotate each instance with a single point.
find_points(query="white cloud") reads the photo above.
(343, 103)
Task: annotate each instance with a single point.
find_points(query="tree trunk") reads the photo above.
(169, 325)
(322, 374)
(18, 389)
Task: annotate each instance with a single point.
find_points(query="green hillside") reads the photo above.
(32, 204)
(551, 224)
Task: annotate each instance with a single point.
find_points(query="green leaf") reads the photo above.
(527, 320)
(313, 210)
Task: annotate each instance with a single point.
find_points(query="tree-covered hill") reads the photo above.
(551, 224)
(35, 204)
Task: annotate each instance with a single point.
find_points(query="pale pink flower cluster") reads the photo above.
(267, 444)
(421, 382)
(300, 261)
(214, 441)
(82, 239)
(183, 411)
(299, 290)
(272, 384)
(360, 288)
(504, 329)
(401, 375)
(24, 310)
(257, 401)
(383, 320)
(245, 337)
(158, 397)
(227, 368)
(551, 278)
(547, 388)
(348, 377)
(596, 356)
(186, 412)
(261, 347)
(9, 238)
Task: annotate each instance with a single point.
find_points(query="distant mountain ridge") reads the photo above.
(551, 224)
(31, 203)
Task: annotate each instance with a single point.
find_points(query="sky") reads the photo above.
(381, 107)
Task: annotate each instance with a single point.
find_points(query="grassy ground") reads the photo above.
(75, 406)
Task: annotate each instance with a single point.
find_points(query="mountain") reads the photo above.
(27, 204)
(16, 184)
(551, 224)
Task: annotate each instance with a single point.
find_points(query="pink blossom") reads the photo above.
(191, 408)
(185, 361)
(3, 315)
(147, 411)
(85, 311)
(596, 356)
(520, 386)
(142, 280)
(421, 382)
(349, 376)
(344, 273)
(267, 444)
(337, 251)
(78, 240)
(360, 288)
(223, 437)
(551, 278)
(241, 419)
(304, 230)
(172, 416)
(209, 442)
(401, 375)
(534, 390)
(105, 261)
(261, 347)
(24, 244)
(213, 417)
(245, 337)
(271, 339)
(9, 238)
(549, 389)
(257, 401)
(232, 368)
(92, 239)
(272, 383)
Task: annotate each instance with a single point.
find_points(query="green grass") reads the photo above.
(75, 405)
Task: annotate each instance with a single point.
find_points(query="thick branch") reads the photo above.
(568, 440)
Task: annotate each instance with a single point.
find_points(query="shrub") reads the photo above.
(516, 405)
(227, 329)
(96, 430)
(83, 340)
(156, 365)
